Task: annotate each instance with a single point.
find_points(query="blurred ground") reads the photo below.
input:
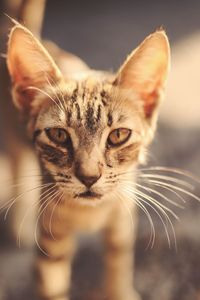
(103, 33)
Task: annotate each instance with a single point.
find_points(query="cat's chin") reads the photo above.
(88, 202)
(88, 198)
(89, 195)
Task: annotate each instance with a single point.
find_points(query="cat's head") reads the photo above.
(90, 133)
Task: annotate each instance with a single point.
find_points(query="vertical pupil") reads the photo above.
(59, 134)
(118, 133)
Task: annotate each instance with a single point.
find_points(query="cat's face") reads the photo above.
(90, 139)
(91, 133)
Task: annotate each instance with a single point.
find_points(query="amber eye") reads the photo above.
(58, 135)
(118, 137)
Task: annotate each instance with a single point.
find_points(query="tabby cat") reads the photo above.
(90, 130)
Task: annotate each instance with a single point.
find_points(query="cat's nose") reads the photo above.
(86, 176)
(88, 181)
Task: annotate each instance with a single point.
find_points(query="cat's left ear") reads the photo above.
(30, 67)
(145, 72)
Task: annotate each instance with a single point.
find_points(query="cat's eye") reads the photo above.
(57, 135)
(118, 137)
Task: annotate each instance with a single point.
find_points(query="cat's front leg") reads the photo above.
(53, 267)
(119, 259)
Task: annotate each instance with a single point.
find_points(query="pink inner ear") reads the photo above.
(150, 103)
(145, 71)
(151, 96)
(25, 75)
(24, 97)
(28, 61)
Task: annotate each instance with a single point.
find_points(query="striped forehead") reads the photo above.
(87, 105)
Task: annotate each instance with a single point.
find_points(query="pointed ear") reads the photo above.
(145, 71)
(30, 66)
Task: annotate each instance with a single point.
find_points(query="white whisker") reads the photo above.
(22, 194)
(168, 189)
(172, 170)
(61, 105)
(157, 182)
(43, 207)
(144, 209)
(168, 178)
(46, 94)
(52, 214)
(151, 201)
(159, 194)
(28, 211)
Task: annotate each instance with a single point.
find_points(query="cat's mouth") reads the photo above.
(88, 194)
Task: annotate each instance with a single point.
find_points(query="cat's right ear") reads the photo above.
(145, 73)
(30, 67)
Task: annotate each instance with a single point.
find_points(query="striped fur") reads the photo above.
(88, 105)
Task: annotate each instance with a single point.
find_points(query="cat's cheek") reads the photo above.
(51, 163)
(51, 157)
(110, 159)
(128, 155)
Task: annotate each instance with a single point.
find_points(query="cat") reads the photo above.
(90, 130)
(16, 156)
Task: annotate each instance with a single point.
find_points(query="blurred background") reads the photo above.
(103, 33)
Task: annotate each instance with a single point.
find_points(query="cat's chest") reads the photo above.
(88, 220)
(80, 218)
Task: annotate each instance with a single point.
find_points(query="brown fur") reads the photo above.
(90, 180)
